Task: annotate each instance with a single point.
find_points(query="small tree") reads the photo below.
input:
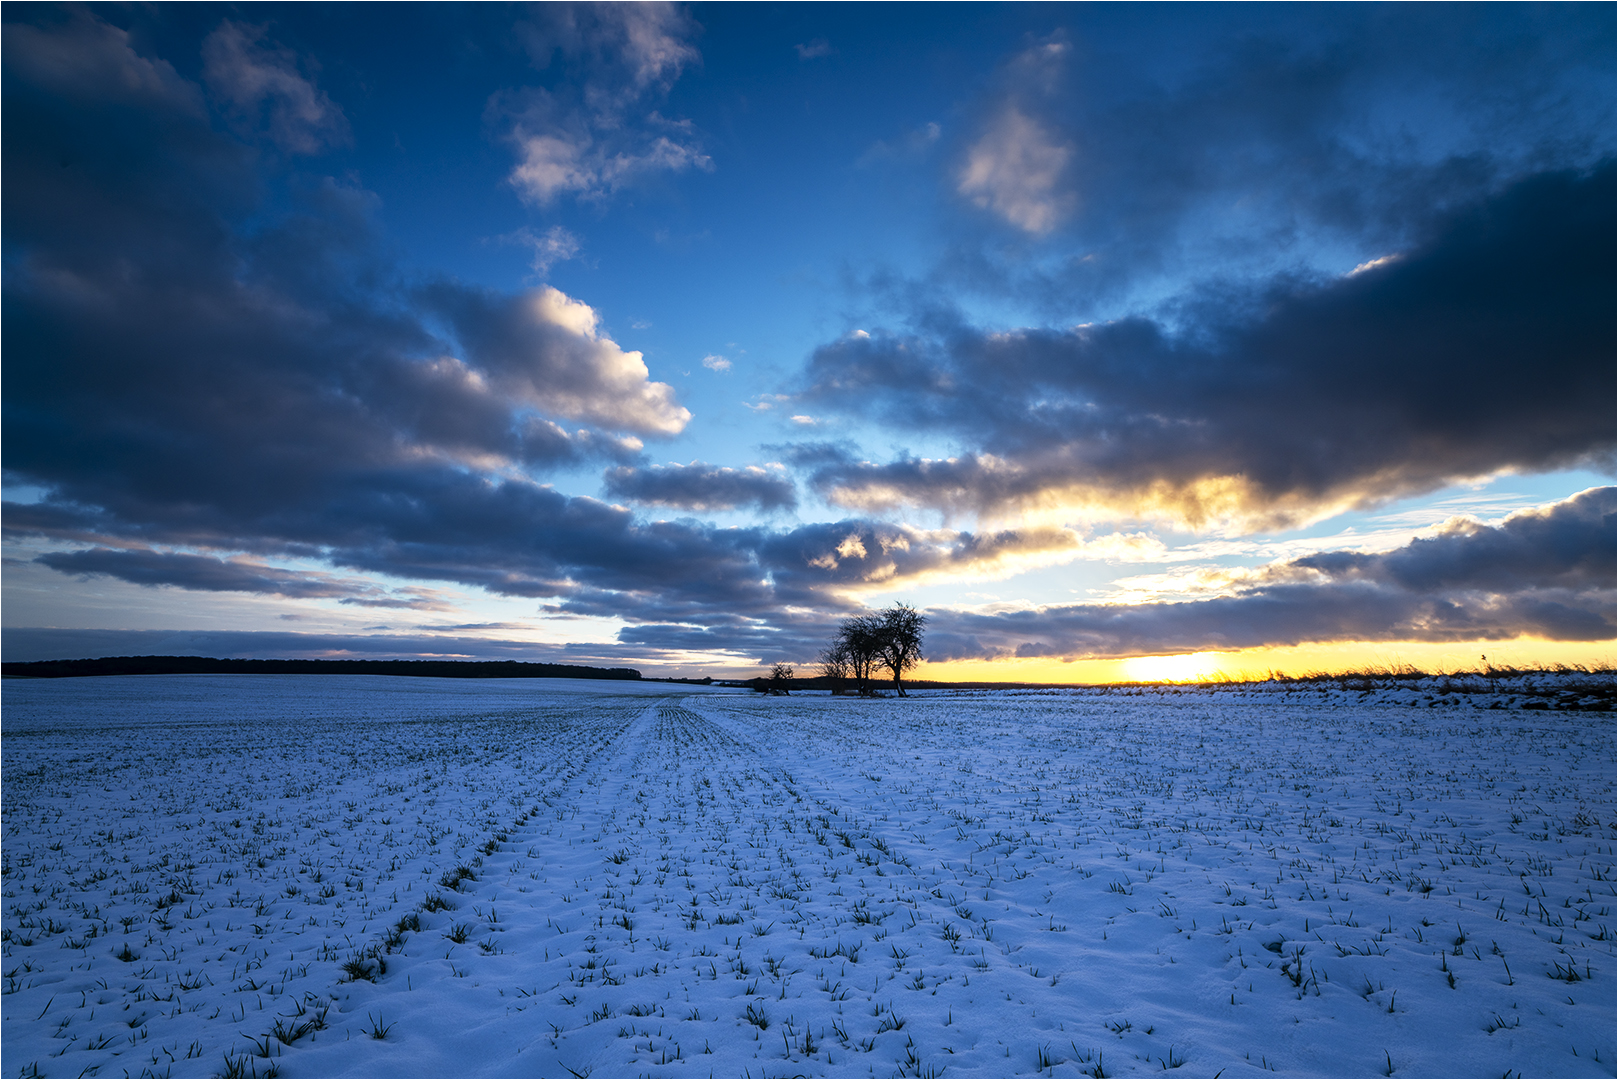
(859, 639)
(900, 637)
(834, 664)
(889, 639)
(781, 679)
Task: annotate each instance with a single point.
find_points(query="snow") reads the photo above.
(255, 874)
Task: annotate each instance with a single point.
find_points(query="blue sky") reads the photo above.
(673, 335)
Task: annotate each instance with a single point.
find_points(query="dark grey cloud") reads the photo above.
(143, 566)
(77, 57)
(212, 365)
(23, 644)
(189, 367)
(702, 487)
(264, 89)
(157, 304)
(749, 583)
(810, 455)
(1568, 545)
(791, 640)
(1245, 147)
(1486, 347)
(177, 378)
(1546, 573)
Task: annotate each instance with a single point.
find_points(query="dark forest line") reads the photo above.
(206, 665)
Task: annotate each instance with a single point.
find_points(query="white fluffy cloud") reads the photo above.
(546, 350)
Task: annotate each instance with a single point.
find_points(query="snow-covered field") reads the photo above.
(325, 875)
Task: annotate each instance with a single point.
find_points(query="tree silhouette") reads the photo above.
(890, 638)
(834, 663)
(900, 636)
(859, 641)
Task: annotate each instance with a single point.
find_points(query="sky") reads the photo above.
(1124, 341)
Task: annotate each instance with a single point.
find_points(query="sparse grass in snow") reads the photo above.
(335, 876)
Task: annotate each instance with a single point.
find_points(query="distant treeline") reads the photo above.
(764, 684)
(207, 665)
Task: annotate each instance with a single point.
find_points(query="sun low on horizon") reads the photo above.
(1125, 343)
(1302, 661)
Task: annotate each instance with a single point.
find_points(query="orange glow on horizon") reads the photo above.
(1291, 660)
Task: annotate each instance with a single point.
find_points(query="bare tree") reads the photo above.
(859, 638)
(781, 679)
(889, 638)
(834, 664)
(901, 627)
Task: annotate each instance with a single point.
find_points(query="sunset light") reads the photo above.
(1172, 668)
(669, 337)
(844, 540)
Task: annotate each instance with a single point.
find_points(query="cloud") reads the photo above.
(811, 50)
(644, 44)
(557, 161)
(143, 566)
(1372, 264)
(157, 303)
(260, 85)
(715, 363)
(910, 144)
(1460, 550)
(439, 628)
(1242, 150)
(187, 368)
(24, 644)
(654, 37)
(1015, 170)
(1567, 545)
(87, 59)
(545, 349)
(204, 573)
(703, 487)
(552, 246)
(212, 369)
(1019, 168)
(788, 640)
(1545, 573)
(1486, 347)
(591, 132)
(846, 558)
